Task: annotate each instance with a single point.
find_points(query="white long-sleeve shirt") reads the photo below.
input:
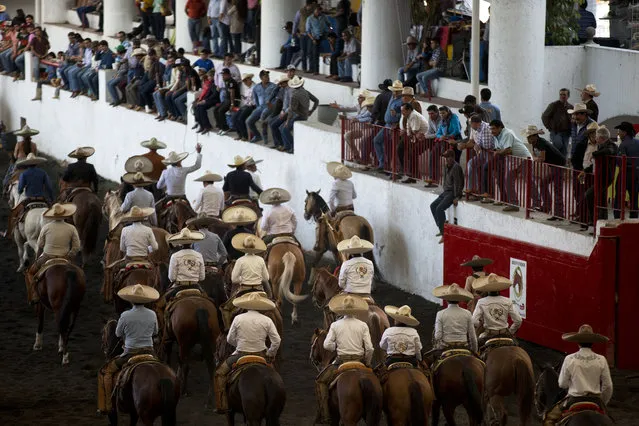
(142, 198)
(257, 181)
(415, 123)
(136, 239)
(356, 275)
(342, 193)
(210, 201)
(249, 331)
(249, 270)
(401, 341)
(350, 336)
(174, 178)
(186, 265)
(586, 372)
(455, 325)
(279, 219)
(493, 312)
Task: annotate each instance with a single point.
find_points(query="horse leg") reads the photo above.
(183, 368)
(134, 417)
(113, 417)
(37, 346)
(449, 414)
(435, 411)
(20, 245)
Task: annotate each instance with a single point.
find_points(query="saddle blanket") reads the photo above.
(48, 264)
(400, 365)
(127, 370)
(242, 364)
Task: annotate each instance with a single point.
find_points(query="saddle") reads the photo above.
(127, 370)
(339, 216)
(284, 239)
(71, 193)
(349, 366)
(578, 407)
(449, 354)
(242, 364)
(494, 343)
(173, 302)
(21, 210)
(399, 365)
(48, 264)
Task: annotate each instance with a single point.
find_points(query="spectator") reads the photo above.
(557, 120)
(238, 13)
(629, 148)
(124, 41)
(349, 57)
(290, 48)
(453, 187)
(586, 19)
(438, 66)
(412, 66)
(151, 80)
(87, 6)
(158, 20)
(604, 157)
(363, 94)
(335, 52)
(381, 102)
(298, 111)
(482, 142)
(276, 122)
(4, 15)
(449, 131)
(213, 15)
(275, 106)
(119, 77)
(135, 75)
(317, 28)
(391, 120)
(193, 83)
(206, 100)
(408, 96)
(290, 71)
(205, 62)
(38, 45)
(75, 74)
(18, 48)
(104, 60)
(434, 120)
(414, 126)
(72, 55)
(580, 122)
(251, 21)
(228, 95)
(247, 105)
(299, 28)
(493, 111)
(262, 95)
(587, 96)
(224, 22)
(342, 14)
(146, 13)
(354, 136)
(51, 73)
(589, 161)
(195, 10)
(471, 107)
(233, 69)
(422, 58)
(9, 35)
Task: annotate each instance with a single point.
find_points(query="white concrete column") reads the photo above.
(28, 67)
(516, 59)
(272, 36)
(118, 16)
(182, 38)
(104, 76)
(54, 11)
(381, 42)
(38, 11)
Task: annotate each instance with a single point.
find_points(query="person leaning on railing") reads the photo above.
(481, 141)
(604, 175)
(414, 127)
(629, 148)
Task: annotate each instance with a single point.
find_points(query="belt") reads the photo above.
(186, 282)
(210, 264)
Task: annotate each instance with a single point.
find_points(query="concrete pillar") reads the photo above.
(516, 59)
(118, 16)
(104, 76)
(28, 67)
(54, 11)
(272, 36)
(182, 38)
(381, 42)
(38, 11)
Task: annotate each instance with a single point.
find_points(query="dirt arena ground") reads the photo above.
(36, 390)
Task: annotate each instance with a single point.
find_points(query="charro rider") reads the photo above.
(477, 264)
(211, 247)
(139, 197)
(251, 167)
(21, 150)
(80, 173)
(584, 374)
(186, 267)
(454, 325)
(342, 190)
(493, 310)
(174, 178)
(356, 274)
(210, 199)
(248, 334)
(238, 182)
(279, 220)
(136, 164)
(156, 159)
(242, 218)
(57, 239)
(136, 327)
(401, 342)
(350, 338)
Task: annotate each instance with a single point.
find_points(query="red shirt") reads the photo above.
(195, 9)
(206, 87)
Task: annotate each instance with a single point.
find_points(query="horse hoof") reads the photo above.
(296, 323)
(20, 269)
(65, 359)
(37, 347)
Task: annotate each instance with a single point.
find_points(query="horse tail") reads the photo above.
(372, 399)
(375, 329)
(366, 233)
(525, 385)
(474, 396)
(92, 227)
(167, 390)
(66, 312)
(204, 331)
(417, 416)
(287, 277)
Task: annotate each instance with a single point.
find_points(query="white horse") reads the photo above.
(26, 233)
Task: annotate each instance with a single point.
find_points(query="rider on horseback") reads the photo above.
(243, 218)
(186, 267)
(34, 183)
(174, 178)
(251, 167)
(477, 264)
(157, 165)
(343, 190)
(356, 274)
(133, 165)
(584, 374)
(210, 200)
(238, 182)
(136, 327)
(139, 196)
(80, 173)
(350, 338)
(57, 239)
(248, 333)
(279, 220)
(211, 247)
(401, 342)
(21, 151)
(454, 325)
(493, 310)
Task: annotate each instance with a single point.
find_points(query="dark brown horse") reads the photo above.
(174, 214)
(459, 380)
(408, 397)
(87, 218)
(61, 290)
(258, 393)
(356, 396)
(509, 371)
(285, 265)
(150, 277)
(152, 391)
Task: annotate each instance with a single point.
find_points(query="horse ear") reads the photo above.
(308, 193)
(318, 191)
(316, 332)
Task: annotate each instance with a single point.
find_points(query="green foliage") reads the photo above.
(562, 21)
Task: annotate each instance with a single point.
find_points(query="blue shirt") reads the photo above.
(293, 41)
(137, 326)
(449, 128)
(262, 94)
(317, 26)
(493, 110)
(106, 59)
(207, 64)
(4, 16)
(394, 104)
(73, 49)
(35, 182)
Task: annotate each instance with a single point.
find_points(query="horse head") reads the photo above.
(547, 390)
(319, 356)
(314, 205)
(111, 344)
(323, 285)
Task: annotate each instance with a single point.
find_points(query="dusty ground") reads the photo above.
(36, 389)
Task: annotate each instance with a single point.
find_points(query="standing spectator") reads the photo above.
(251, 21)
(207, 99)
(317, 29)
(414, 126)
(87, 6)
(349, 57)
(119, 77)
(588, 95)
(213, 15)
(412, 66)
(494, 113)
(604, 157)
(342, 15)
(482, 142)
(233, 69)
(434, 120)
(453, 190)
(247, 105)
(146, 13)
(262, 95)
(408, 97)
(557, 120)
(290, 48)
(580, 122)
(228, 94)
(205, 62)
(298, 111)
(223, 24)
(238, 12)
(381, 102)
(391, 120)
(629, 148)
(586, 19)
(195, 10)
(160, 8)
(299, 28)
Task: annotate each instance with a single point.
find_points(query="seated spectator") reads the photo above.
(84, 7)
(391, 120)
(151, 79)
(453, 187)
(50, 76)
(18, 48)
(136, 72)
(4, 15)
(290, 48)
(170, 80)
(193, 84)
(493, 111)
(412, 66)
(178, 89)
(206, 100)
(449, 132)
(263, 95)
(363, 94)
(9, 37)
(335, 51)
(276, 121)
(413, 139)
(74, 74)
(104, 60)
(275, 107)
(481, 141)
(205, 61)
(120, 76)
(228, 95)
(298, 111)
(38, 45)
(71, 56)
(247, 105)
(195, 10)
(437, 65)
(349, 57)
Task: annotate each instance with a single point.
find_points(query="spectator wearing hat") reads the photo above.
(361, 97)
(317, 28)
(247, 106)
(290, 48)
(580, 121)
(401, 342)
(413, 139)
(437, 65)
(629, 148)
(453, 187)
(135, 75)
(604, 168)
(412, 65)
(276, 121)
(589, 160)
(354, 136)
(298, 111)
(381, 102)
(350, 56)
(342, 190)
(588, 95)
(4, 15)
(195, 10)
(274, 106)
(210, 199)
(454, 325)
(263, 94)
(299, 28)
(557, 120)
(279, 220)
(228, 95)
(391, 120)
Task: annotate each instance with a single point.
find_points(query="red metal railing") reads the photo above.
(616, 185)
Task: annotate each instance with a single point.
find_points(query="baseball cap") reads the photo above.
(226, 71)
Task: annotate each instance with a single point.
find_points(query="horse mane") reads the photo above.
(320, 202)
(109, 340)
(549, 386)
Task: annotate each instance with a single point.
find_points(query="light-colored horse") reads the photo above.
(26, 233)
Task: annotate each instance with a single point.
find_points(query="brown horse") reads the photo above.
(509, 371)
(87, 218)
(408, 397)
(285, 265)
(152, 391)
(459, 380)
(357, 393)
(173, 215)
(61, 290)
(193, 321)
(324, 286)
(149, 277)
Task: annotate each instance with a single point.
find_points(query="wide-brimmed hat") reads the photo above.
(369, 101)
(282, 79)
(627, 127)
(137, 179)
(82, 152)
(26, 131)
(247, 75)
(238, 161)
(139, 51)
(347, 304)
(3, 8)
(30, 160)
(492, 282)
(396, 86)
(592, 127)
(364, 93)
(60, 211)
(452, 293)
(408, 91)
(153, 143)
(275, 196)
(385, 84)
(138, 163)
(209, 176)
(239, 215)
(579, 108)
(532, 130)
(338, 170)
(201, 221)
(250, 161)
(248, 243)
(354, 245)
(296, 82)
(174, 157)
(591, 89)
(185, 236)
(411, 40)
(584, 335)
(401, 314)
(137, 214)
(254, 300)
(477, 262)
(139, 293)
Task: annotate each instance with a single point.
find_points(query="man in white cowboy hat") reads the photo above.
(361, 97)
(248, 334)
(353, 136)
(173, 179)
(80, 173)
(279, 220)
(211, 247)
(579, 134)
(588, 95)
(251, 167)
(58, 239)
(454, 325)
(298, 111)
(210, 199)
(342, 190)
(356, 273)
(401, 342)
(350, 338)
(139, 196)
(492, 311)
(186, 267)
(584, 374)
(156, 159)
(243, 219)
(238, 182)
(477, 264)
(136, 327)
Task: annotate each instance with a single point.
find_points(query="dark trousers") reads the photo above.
(632, 188)
(220, 114)
(202, 116)
(146, 23)
(287, 56)
(237, 43)
(314, 56)
(305, 44)
(240, 120)
(333, 66)
(439, 207)
(145, 92)
(159, 25)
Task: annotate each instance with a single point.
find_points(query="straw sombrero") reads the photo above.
(137, 179)
(584, 335)
(139, 293)
(401, 314)
(492, 282)
(338, 170)
(239, 215)
(592, 127)
(364, 93)
(354, 245)
(137, 214)
(209, 176)
(60, 211)
(26, 131)
(397, 86)
(238, 161)
(248, 243)
(579, 108)
(153, 143)
(202, 221)
(185, 236)
(247, 75)
(252, 162)
(452, 293)
(174, 158)
(138, 163)
(30, 160)
(591, 89)
(82, 152)
(347, 304)
(369, 101)
(275, 196)
(532, 130)
(477, 261)
(254, 300)
(3, 8)
(296, 82)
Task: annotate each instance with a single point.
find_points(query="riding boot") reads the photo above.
(221, 397)
(108, 391)
(552, 417)
(56, 94)
(38, 95)
(226, 309)
(323, 412)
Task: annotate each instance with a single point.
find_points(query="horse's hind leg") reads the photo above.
(449, 414)
(37, 346)
(435, 412)
(183, 368)
(134, 418)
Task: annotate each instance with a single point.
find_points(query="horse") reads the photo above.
(325, 285)
(174, 215)
(61, 289)
(152, 391)
(408, 397)
(258, 393)
(357, 393)
(509, 371)
(459, 380)
(150, 277)
(285, 265)
(548, 393)
(26, 233)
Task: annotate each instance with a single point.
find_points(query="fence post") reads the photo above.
(597, 176)
(529, 173)
(622, 196)
(394, 153)
(343, 119)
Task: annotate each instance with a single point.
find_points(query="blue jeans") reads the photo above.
(170, 100)
(287, 55)
(195, 27)
(85, 79)
(146, 93)
(215, 35)
(237, 43)
(249, 25)
(410, 73)
(112, 88)
(64, 73)
(20, 62)
(82, 14)
(180, 104)
(225, 35)
(275, 123)
(158, 98)
(73, 74)
(439, 207)
(287, 136)
(345, 68)
(378, 143)
(252, 120)
(7, 64)
(560, 140)
(426, 76)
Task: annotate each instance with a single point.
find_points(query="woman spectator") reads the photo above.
(449, 131)
(238, 13)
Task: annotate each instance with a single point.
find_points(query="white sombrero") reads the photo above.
(26, 131)
(591, 89)
(492, 282)
(209, 176)
(82, 152)
(251, 162)
(239, 215)
(60, 211)
(369, 101)
(153, 143)
(254, 300)
(579, 108)
(452, 293)
(296, 82)
(174, 157)
(397, 86)
(338, 170)
(185, 236)
(238, 161)
(30, 160)
(248, 243)
(137, 179)
(139, 294)
(138, 163)
(584, 335)
(347, 304)
(532, 130)
(247, 75)
(275, 196)
(401, 314)
(354, 245)
(137, 214)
